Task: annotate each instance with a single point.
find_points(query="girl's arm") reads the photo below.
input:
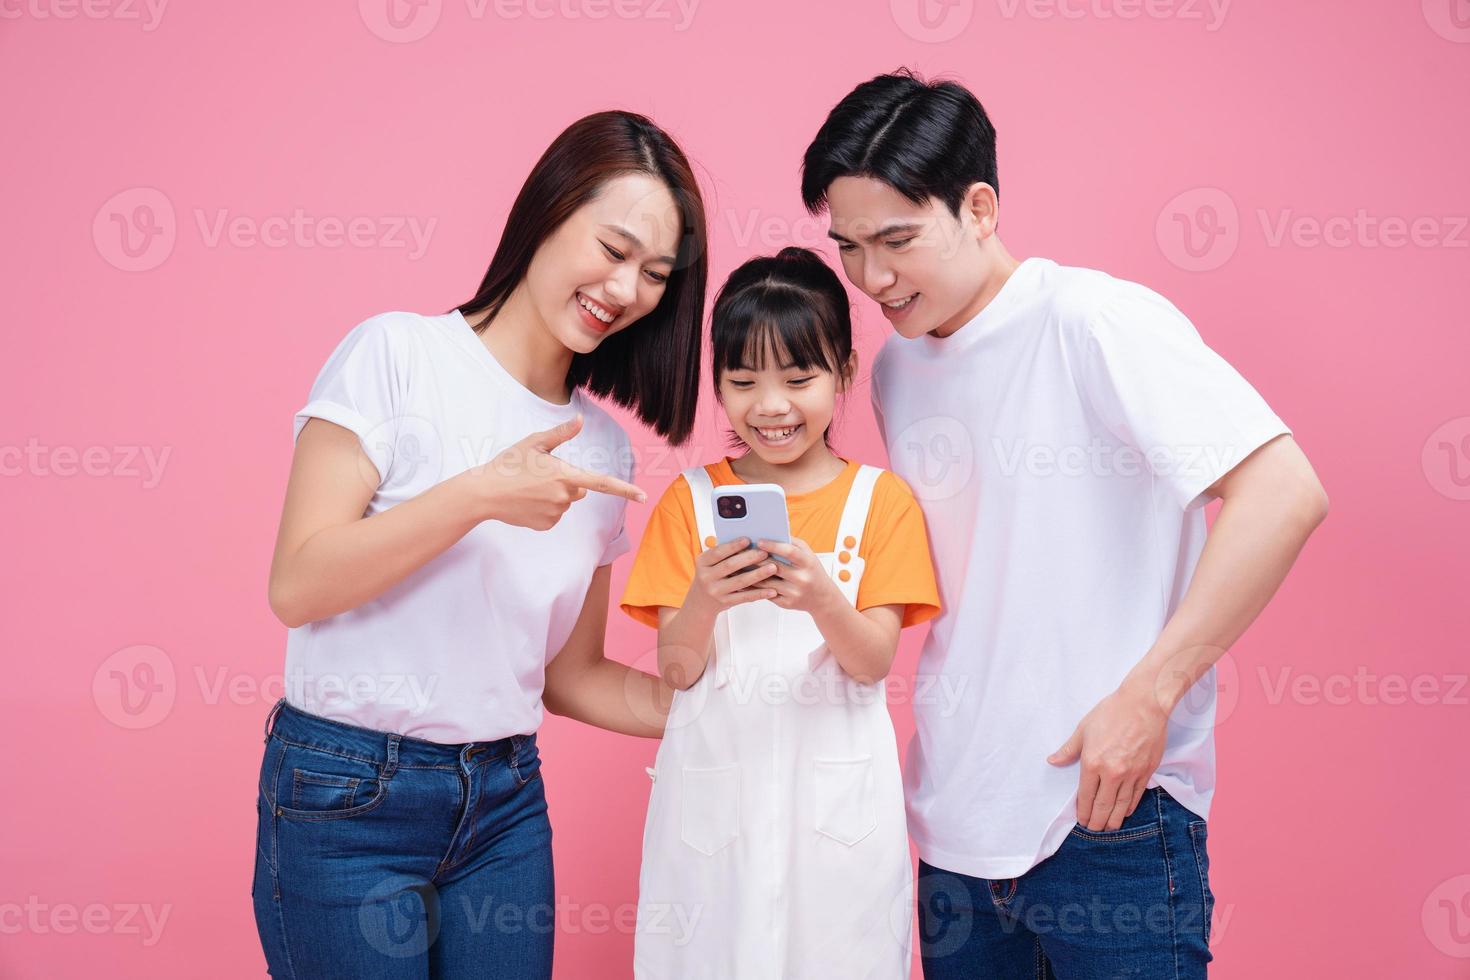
(582, 683)
(862, 642)
(329, 558)
(685, 634)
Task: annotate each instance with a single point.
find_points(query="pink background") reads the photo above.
(1338, 840)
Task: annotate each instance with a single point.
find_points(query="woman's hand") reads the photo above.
(804, 584)
(527, 486)
(721, 580)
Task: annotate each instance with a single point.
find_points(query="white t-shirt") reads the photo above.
(1059, 444)
(457, 651)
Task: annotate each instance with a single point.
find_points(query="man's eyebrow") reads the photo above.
(637, 242)
(884, 232)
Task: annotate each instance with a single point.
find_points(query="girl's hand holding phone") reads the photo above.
(803, 584)
(723, 576)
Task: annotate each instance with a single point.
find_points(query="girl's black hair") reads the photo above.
(652, 366)
(923, 139)
(790, 306)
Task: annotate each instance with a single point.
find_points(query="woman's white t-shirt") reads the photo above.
(457, 651)
(1060, 444)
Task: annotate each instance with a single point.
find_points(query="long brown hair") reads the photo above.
(651, 367)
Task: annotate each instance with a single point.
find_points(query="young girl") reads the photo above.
(775, 844)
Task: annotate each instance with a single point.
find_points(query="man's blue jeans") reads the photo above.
(383, 856)
(1132, 902)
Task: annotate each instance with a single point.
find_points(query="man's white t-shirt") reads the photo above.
(1059, 444)
(457, 651)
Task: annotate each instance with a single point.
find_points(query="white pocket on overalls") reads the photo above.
(710, 807)
(842, 792)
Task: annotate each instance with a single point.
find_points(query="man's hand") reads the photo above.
(1120, 743)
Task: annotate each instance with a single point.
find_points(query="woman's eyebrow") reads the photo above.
(637, 242)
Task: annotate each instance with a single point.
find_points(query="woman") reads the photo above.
(454, 504)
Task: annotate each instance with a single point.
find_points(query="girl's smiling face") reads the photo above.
(778, 408)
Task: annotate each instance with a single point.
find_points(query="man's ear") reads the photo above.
(983, 206)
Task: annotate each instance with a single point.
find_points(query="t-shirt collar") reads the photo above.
(1010, 293)
(466, 337)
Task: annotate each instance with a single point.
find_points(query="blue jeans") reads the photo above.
(383, 856)
(1132, 902)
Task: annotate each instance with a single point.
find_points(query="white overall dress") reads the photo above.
(775, 846)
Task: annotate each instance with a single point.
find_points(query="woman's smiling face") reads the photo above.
(608, 264)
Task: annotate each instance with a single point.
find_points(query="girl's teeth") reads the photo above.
(596, 311)
(776, 435)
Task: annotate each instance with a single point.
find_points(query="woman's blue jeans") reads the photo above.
(384, 856)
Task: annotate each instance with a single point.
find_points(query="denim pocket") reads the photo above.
(322, 786)
(1143, 823)
(1197, 838)
(709, 816)
(843, 792)
(526, 762)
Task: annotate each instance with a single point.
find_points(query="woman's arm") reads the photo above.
(329, 558)
(582, 683)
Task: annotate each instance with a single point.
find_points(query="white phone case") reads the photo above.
(764, 519)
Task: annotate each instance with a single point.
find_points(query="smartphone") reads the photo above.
(751, 510)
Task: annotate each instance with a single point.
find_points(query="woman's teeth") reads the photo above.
(775, 436)
(594, 309)
(900, 304)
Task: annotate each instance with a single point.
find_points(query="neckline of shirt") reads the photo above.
(465, 335)
(849, 472)
(973, 328)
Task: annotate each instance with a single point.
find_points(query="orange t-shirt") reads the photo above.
(897, 569)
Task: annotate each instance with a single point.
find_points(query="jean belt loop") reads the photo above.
(391, 766)
(270, 718)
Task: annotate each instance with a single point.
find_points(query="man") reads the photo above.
(1063, 430)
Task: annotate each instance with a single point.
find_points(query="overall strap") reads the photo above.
(855, 513)
(701, 487)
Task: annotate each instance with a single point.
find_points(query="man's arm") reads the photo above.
(1271, 503)
(583, 684)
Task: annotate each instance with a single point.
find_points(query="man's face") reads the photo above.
(920, 263)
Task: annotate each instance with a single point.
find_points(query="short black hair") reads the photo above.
(924, 139)
(791, 306)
